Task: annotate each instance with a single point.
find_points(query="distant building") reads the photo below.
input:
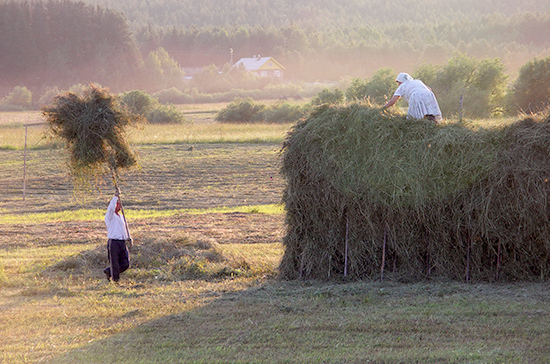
(261, 66)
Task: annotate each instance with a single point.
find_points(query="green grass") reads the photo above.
(97, 214)
(13, 137)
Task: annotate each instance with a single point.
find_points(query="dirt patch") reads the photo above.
(228, 228)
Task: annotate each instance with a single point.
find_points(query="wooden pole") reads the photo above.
(383, 254)
(25, 165)
(497, 276)
(126, 223)
(113, 173)
(467, 273)
(460, 110)
(346, 248)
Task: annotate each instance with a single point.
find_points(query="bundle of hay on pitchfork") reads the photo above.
(93, 128)
(375, 195)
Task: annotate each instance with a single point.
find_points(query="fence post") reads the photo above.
(346, 247)
(460, 110)
(25, 164)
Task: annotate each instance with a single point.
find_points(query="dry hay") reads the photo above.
(372, 195)
(93, 127)
(177, 257)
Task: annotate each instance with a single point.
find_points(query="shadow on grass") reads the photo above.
(359, 322)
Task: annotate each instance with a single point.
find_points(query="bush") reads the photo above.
(172, 96)
(327, 96)
(531, 91)
(480, 82)
(282, 113)
(281, 90)
(240, 110)
(139, 102)
(377, 88)
(20, 96)
(476, 102)
(165, 114)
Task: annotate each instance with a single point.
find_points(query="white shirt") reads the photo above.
(421, 99)
(116, 228)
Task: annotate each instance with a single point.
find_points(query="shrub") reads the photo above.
(281, 90)
(282, 113)
(138, 102)
(327, 96)
(165, 114)
(172, 96)
(240, 110)
(20, 96)
(531, 91)
(480, 82)
(377, 88)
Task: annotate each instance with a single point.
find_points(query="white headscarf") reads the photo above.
(402, 77)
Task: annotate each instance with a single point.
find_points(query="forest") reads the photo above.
(311, 14)
(327, 39)
(131, 44)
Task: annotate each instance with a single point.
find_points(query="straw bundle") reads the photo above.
(371, 195)
(93, 127)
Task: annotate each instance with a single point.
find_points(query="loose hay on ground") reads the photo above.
(176, 258)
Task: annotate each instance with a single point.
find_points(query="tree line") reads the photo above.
(311, 14)
(316, 54)
(58, 43)
(52, 44)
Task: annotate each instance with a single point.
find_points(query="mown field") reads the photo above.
(204, 212)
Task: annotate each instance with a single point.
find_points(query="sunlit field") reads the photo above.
(205, 214)
(194, 133)
(13, 137)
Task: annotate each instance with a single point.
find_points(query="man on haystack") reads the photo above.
(117, 235)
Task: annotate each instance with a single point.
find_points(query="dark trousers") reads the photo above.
(119, 258)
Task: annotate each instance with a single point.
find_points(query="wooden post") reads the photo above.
(346, 248)
(497, 276)
(25, 165)
(383, 254)
(460, 110)
(468, 248)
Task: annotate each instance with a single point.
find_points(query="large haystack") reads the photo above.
(373, 195)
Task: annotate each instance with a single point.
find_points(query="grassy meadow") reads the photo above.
(204, 210)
